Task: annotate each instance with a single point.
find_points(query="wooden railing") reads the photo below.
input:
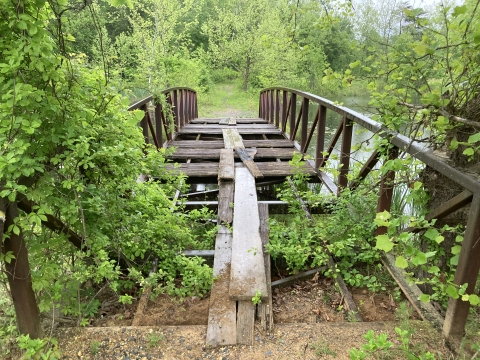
(178, 108)
(279, 106)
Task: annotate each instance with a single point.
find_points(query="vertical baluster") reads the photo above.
(293, 111)
(158, 123)
(260, 103)
(284, 108)
(277, 108)
(345, 153)
(144, 123)
(272, 107)
(195, 115)
(191, 106)
(304, 135)
(467, 272)
(321, 125)
(386, 190)
(175, 110)
(181, 107)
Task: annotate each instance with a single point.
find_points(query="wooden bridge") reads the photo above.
(241, 155)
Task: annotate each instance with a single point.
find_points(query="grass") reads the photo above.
(321, 349)
(228, 100)
(154, 338)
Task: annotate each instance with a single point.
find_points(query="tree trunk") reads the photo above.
(20, 281)
(247, 74)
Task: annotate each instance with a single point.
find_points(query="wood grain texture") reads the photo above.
(232, 139)
(226, 168)
(222, 327)
(211, 154)
(219, 144)
(208, 130)
(245, 322)
(238, 120)
(249, 163)
(247, 274)
(265, 308)
(225, 201)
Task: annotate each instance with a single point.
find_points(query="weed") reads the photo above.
(351, 316)
(257, 298)
(154, 338)
(322, 349)
(94, 346)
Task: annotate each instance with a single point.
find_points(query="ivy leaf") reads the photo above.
(384, 243)
(434, 270)
(474, 299)
(381, 218)
(424, 298)
(454, 144)
(431, 234)
(474, 138)
(419, 259)
(452, 291)
(401, 262)
(456, 249)
(454, 260)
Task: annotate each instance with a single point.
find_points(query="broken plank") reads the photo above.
(225, 202)
(208, 154)
(265, 308)
(245, 322)
(247, 276)
(298, 277)
(249, 163)
(226, 167)
(223, 121)
(220, 144)
(248, 130)
(232, 121)
(222, 327)
(232, 139)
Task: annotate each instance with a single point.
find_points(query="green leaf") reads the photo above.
(456, 249)
(419, 259)
(354, 64)
(434, 270)
(401, 262)
(439, 239)
(452, 291)
(424, 298)
(474, 138)
(384, 243)
(468, 152)
(454, 144)
(454, 260)
(459, 10)
(420, 49)
(122, 2)
(431, 234)
(474, 299)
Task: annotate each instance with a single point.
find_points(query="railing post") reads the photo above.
(158, 124)
(293, 114)
(304, 135)
(144, 123)
(267, 106)
(277, 107)
(284, 108)
(272, 107)
(181, 108)
(321, 125)
(386, 191)
(467, 272)
(195, 115)
(260, 106)
(175, 110)
(345, 153)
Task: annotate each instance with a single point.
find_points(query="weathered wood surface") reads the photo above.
(209, 154)
(225, 201)
(232, 139)
(211, 169)
(226, 167)
(219, 144)
(226, 124)
(222, 326)
(412, 292)
(265, 308)
(298, 277)
(249, 163)
(200, 253)
(208, 130)
(238, 120)
(232, 121)
(223, 121)
(247, 274)
(245, 322)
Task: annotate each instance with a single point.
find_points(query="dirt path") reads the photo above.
(225, 100)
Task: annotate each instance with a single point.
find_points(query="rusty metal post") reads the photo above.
(321, 125)
(277, 107)
(195, 104)
(386, 191)
(144, 123)
(181, 107)
(293, 114)
(267, 106)
(158, 123)
(260, 106)
(304, 134)
(345, 153)
(272, 107)
(284, 108)
(467, 272)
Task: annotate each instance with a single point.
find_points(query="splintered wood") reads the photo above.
(232, 139)
(248, 161)
(226, 168)
(247, 275)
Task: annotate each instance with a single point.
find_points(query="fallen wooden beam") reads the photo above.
(248, 161)
(232, 139)
(306, 275)
(226, 167)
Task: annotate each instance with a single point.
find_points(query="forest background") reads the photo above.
(71, 152)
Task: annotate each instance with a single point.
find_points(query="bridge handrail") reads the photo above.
(178, 108)
(278, 106)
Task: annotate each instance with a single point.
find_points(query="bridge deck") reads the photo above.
(198, 146)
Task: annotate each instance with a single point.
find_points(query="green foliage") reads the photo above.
(257, 299)
(94, 347)
(45, 349)
(154, 338)
(322, 349)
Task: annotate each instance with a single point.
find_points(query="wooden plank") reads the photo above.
(226, 124)
(232, 121)
(223, 121)
(249, 163)
(226, 167)
(225, 202)
(238, 120)
(222, 327)
(249, 130)
(219, 144)
(298, 277)
(247, 275)
(413, 293)
(200, 253)
(265, 308)
(245, 322)
(208, 154)
(232, 139)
